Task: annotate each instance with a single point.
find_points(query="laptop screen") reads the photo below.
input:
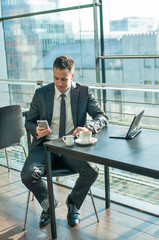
(135, 123)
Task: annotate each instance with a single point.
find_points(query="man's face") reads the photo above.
(62, 79)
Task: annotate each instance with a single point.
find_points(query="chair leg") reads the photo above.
(94, 205)
(26, 211)
(7, 155)
(7, 159)
(32, 197)
(23, 149)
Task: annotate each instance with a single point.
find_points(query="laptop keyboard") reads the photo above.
(122, 132)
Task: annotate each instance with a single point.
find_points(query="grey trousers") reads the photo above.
(34, 169)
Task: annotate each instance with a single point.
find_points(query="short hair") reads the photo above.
(64, 62)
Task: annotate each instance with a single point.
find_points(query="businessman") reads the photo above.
(65, 105)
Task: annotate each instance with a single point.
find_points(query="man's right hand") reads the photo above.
(78, 130)
(42, 131)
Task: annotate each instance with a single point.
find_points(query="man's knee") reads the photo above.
(26, 177)
(31, 175)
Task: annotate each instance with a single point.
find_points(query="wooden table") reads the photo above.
(139, 155)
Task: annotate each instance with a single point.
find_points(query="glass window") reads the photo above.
(34, 42)
(148, 63)
(130, 21)
(157, 62)
(157, 93)
(148, 95)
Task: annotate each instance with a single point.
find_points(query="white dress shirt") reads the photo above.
(56, 115)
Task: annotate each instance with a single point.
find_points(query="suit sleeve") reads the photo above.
(99, 118)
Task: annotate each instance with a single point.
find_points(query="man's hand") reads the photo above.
(42, 131)
(78, 130)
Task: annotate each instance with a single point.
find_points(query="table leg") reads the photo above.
(50, 193)
(107, 187)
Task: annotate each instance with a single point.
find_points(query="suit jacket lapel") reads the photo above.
(50, 101)
(74, 103)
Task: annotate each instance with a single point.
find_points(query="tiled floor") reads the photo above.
(116, 223)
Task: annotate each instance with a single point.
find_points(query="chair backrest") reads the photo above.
(62, 171)
(11, 125)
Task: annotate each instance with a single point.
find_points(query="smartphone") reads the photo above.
(43, 123)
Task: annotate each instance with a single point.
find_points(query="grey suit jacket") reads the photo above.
(82, 102)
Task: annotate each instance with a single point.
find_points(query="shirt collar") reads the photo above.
(58, 93)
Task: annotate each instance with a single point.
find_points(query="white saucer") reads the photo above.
(93, 140)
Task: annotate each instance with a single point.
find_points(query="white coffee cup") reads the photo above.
(85, 136)
(69, 140)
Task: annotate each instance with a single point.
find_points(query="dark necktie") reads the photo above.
(62, 125)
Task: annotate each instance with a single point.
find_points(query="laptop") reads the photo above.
(129, 132)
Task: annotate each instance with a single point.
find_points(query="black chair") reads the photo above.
(58, 173)
(11, 128)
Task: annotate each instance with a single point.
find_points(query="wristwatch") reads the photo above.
(89, 127)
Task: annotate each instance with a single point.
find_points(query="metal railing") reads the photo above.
(120, 108)
(128, 56)
(50, 11)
